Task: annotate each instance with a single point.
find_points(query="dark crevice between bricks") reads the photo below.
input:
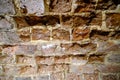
(36, 20)
(96, 58)
(103, 35)
(115, 35)
(44, 20)
(116, 2)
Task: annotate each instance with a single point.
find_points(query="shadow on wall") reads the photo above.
(116, 2)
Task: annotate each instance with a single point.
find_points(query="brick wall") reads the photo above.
(59, 40)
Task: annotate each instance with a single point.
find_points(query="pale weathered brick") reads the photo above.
(41, 77)
(23, 78)
(6, 7)
(76, 48)
(5, 24)
(79, 59)
(48, 49)
(9, 37)
(108, 68)
(80, 69)
(32, 7)
(113, 58)
(19, 70)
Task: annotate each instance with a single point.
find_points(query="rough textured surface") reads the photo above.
(60, 5)
(59, 40)
(92, 5)
(6, 7)
(32, 7)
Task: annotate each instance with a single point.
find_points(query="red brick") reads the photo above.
(79, 21)
(24, 34)
(113, 21)
(91, 18)
(40, 34)
(61, 6)
(60, 34)
(84, 6)
(69, 21)
(88, 6)
(80, 34)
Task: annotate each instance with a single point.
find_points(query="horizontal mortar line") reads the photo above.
(53, 13)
